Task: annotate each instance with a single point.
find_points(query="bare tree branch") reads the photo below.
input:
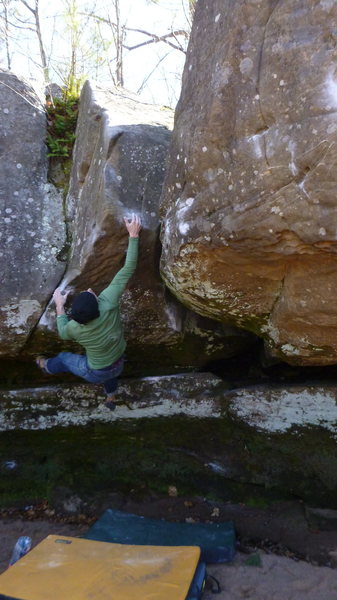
(99, 40)
(36, 28)
(144, 82)
(18, 26)
(6, 33)
(41, 45)
(27, 6)
(155, 39)
(179, 32)
(118, 32)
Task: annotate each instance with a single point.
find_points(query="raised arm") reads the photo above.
(115, 289)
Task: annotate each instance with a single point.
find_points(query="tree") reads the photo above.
(75, 34)
(81, 45)
(120, 32)
(94, 41)
(4, 29)
(34, 10)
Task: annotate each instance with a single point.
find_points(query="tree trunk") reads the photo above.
(6, 32)
(42, 50)
(119, 46)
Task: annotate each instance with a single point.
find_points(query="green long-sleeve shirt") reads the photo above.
(103, 337)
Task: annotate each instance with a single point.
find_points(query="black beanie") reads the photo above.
(84, 308)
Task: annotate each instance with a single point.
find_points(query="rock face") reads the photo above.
(63, 405)
(33, 230)
(187, 430)
(249, 204)
(118, 168)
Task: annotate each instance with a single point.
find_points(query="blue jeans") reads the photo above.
(67, 362)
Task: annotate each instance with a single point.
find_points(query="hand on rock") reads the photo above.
(60, 297)
(133, 225)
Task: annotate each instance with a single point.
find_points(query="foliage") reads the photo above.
(105, 42)
(62, 119)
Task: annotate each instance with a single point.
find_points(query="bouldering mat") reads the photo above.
(216, 540)
(62, 568)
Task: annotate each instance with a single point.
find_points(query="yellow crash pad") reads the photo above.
(61, 568)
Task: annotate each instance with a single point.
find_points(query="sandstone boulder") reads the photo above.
(118, 168)
(33, 231)
(249, 205)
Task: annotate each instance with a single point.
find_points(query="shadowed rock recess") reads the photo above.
(249, 201)
(253, 445)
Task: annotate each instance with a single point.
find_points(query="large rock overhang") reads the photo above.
(248, 204)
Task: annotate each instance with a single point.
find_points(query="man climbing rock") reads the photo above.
(95, 323)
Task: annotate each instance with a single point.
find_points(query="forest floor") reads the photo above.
(279, 556)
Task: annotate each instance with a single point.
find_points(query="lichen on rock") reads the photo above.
(248, 203)
(33, 229)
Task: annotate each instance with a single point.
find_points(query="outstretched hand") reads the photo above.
(133, 225)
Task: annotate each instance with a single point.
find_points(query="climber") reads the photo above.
(95, 323)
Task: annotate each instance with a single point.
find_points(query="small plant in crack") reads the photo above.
(62, 118)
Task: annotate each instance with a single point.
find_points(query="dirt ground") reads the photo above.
(278, 578)
(265, 568)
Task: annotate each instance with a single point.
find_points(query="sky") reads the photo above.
(162, 18)
(160, 63)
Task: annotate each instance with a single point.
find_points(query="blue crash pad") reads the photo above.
(216, 540)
